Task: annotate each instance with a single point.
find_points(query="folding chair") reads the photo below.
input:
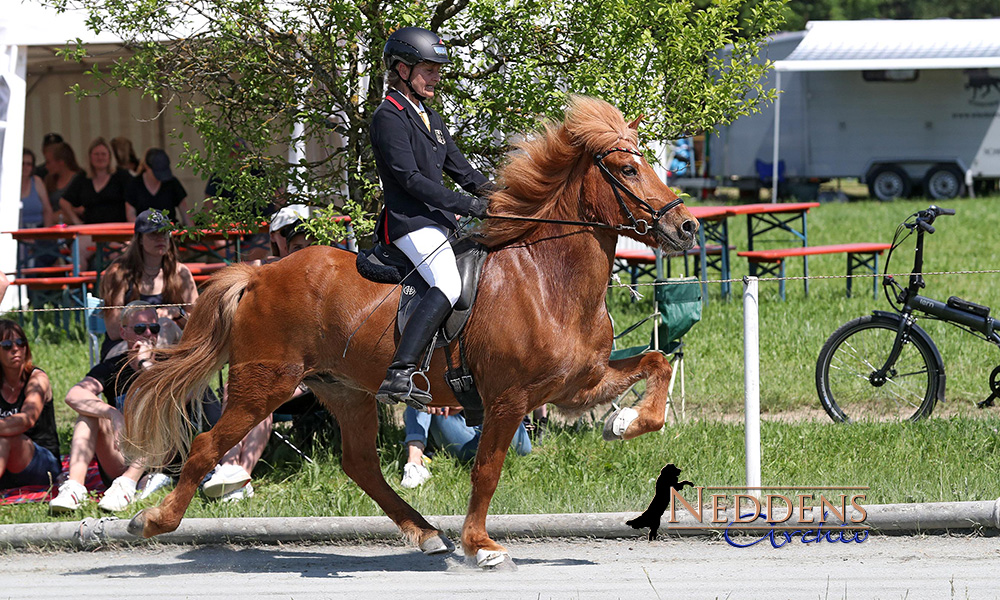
(678, 308)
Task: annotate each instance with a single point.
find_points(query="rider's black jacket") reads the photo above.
(410, 161)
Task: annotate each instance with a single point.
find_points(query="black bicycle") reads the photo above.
(884, 366)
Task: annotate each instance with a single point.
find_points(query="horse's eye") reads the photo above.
(629, 171)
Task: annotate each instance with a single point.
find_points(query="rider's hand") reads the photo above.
(478, 206)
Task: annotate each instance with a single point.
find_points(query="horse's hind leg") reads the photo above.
(254, 390)
(357, 413)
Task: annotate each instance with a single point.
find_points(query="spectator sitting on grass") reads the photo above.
(230, 480)
(446, 427)
(100, 425)
(29, 443)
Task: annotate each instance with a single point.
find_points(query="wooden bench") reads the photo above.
(859, 255)
(639, 262)
(46, 271)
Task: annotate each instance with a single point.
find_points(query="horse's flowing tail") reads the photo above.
(157, 424)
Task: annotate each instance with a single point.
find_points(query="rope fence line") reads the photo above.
(610, 285)
(801, 277)
(75, 308)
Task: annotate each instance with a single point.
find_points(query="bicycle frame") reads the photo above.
(912, 302)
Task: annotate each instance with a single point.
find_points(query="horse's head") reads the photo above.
(589, 170)
(653, 213)
(622, 188)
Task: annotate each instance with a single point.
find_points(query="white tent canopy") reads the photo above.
(877, 44)
(888, 45)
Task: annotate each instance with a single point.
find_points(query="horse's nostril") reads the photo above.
(689, 227)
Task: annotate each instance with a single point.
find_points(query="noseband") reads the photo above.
(640, 226)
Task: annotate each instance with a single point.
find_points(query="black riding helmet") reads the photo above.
(412, 45)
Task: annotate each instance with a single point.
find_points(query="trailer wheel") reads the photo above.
(888, 182)
(943, 182)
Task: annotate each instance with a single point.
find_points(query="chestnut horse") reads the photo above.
(539, 332)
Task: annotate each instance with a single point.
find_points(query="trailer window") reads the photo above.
(891, 75)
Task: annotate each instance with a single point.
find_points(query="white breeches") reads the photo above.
(430, 250)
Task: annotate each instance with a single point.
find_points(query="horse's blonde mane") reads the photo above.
(541, 179)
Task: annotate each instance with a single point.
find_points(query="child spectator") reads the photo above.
(29, 442)
(100, 425)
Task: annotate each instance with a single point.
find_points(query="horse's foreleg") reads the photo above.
(357, 413)
(254, 391)
(498, 431)
(629, 422)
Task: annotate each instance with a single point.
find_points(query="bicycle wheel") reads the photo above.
(844, 373)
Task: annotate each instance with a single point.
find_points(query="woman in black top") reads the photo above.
(156, 187)
(29, 443)
(99, 197)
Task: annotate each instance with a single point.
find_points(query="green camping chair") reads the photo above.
(678, 308)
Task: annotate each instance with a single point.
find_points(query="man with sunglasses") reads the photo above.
(100, 425)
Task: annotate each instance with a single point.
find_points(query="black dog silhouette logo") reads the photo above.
(667, 480)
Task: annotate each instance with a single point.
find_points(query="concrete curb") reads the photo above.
(89, 533)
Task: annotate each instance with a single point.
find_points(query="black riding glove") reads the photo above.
(478, 206)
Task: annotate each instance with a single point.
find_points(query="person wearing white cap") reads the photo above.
(230, 480)
(283, 224)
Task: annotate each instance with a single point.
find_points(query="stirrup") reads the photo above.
(412, 401)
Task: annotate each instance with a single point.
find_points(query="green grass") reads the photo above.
(792, 332)
(575, 471)
(947, 457)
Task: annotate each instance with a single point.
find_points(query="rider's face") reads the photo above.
(424, 77)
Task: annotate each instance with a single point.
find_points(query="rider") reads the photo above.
(412, 148)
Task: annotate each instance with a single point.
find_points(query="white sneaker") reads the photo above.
(238, 494)
(227, 478)
(414, 475)
(119, 495)
(154, 483)
(71, 495)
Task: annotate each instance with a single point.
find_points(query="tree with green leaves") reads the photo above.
(308, 74)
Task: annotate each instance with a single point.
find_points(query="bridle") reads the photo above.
(640, 226)
(617, 186)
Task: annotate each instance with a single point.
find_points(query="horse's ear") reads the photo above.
(635, 124)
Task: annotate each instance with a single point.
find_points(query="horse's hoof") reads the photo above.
(137, 524)
(497, 560)
(438, 544)
(618, 422)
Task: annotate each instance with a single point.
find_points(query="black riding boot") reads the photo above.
(398, 385)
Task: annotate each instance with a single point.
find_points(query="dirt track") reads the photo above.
(881, 567)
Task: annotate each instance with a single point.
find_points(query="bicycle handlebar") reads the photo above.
(925, 218)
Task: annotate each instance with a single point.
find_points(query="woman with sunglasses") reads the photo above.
(29, 443)
(148, 270)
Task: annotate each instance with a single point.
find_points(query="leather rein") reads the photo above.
(640, 226)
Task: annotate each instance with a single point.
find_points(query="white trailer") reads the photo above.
(908, 107)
